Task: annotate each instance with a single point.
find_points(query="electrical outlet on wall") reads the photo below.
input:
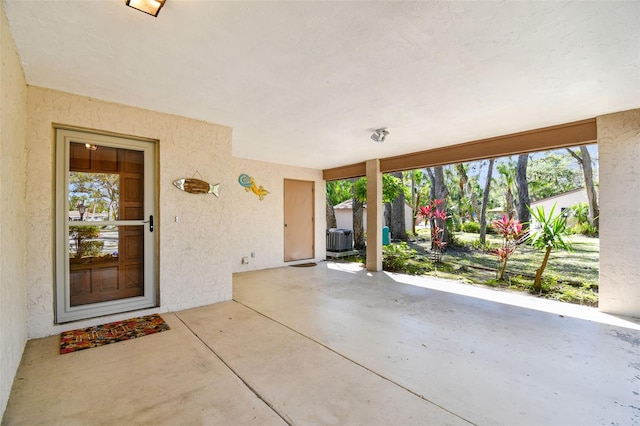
(245, 260)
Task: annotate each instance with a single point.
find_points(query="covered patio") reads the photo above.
(336, 344)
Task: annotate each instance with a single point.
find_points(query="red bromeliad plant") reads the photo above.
(511, 231)
(436, 218)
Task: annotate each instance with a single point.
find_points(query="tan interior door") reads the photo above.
(299, 220)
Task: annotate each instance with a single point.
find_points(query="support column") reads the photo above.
(619, 151)
(374, 216)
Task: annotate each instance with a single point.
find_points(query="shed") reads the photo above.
(344, 215)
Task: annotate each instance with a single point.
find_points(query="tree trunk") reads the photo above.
(509, 202)
(386, 214)
(439, 191)
(416, 207)
(594, 210)
(414, 202)
(464, 180)
(585, 162)
(485, 200)
(432, 190)
(398, 226)
(537, 283)
(331, 216)
(358, 226)
(466, 186)
(502, 270)
(523, 189)
(474, 200)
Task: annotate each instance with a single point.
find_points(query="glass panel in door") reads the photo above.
(106, 252)
(105, 263)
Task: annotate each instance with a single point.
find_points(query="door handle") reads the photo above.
(150, 222)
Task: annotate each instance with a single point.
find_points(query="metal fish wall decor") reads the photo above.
(197, 186)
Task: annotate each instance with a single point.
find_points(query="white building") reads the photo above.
(563, 202)
(344, 215)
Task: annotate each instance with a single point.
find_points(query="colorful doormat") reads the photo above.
(90, 337)
(304, 265)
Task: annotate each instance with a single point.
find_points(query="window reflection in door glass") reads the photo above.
(92, 243)
(94, 196)
(105, 263)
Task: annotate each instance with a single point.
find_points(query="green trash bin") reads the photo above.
(385, 236)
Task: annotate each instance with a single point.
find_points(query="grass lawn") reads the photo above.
(569, 276)
(580, 266)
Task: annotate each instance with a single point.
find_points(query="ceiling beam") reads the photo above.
(345, 172)
(554, 137)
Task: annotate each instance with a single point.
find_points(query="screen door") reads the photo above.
(105, 242)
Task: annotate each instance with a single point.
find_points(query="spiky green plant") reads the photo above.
(549, 235)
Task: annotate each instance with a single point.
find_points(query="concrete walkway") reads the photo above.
(334, 344)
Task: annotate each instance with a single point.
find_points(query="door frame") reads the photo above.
(63, 311)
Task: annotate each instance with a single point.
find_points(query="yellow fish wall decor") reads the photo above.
(250, 185)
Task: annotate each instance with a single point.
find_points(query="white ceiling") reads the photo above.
(306, 82)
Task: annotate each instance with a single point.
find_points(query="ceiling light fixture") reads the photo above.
(379, 135)
(152, 7)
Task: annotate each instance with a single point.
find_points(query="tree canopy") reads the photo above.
(547, 174)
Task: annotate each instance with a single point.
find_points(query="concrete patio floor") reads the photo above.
(335, 344)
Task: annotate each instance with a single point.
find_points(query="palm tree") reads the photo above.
(549, 236)
(485, 201)
(508, 172)
(523, 190)
(418, 182)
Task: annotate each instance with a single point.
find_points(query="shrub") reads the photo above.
(454, 241)
(519, 282)
(91, 248)
(583, 295)
(83, 237)
(511, 231)
(581, 212)
(471, 227)
(453, 223)
(585, 229)
(479, 245)
(549, 283)
(438, 220)
(396, 256)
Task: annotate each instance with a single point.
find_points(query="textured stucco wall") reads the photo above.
(193, 253)
(13, 313)
(619, 150)
(258, 225)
